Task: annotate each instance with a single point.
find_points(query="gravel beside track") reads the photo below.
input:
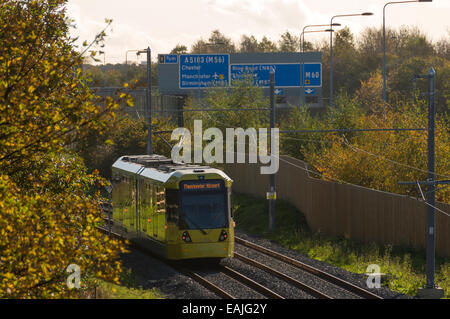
(332, 290)
(302, 276)
(153, 273)
(267, 280)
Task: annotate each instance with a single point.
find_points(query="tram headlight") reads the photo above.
(185, 236)
(223, 235)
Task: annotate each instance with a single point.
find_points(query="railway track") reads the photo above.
(255, 286)
(313, 292)
(252, 284)
(191, 272)
(300, 265)
(178, 267)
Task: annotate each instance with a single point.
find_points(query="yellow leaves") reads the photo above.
(31, 89)
(379, 160)
(45, 270)
(130, 102)
(48, 220)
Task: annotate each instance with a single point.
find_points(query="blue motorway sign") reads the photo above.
(312, 74)
(286, 74)
(170, 58)
(199, 71)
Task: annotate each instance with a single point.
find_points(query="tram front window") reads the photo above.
(203, 210)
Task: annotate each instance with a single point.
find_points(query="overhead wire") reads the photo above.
(336, 179)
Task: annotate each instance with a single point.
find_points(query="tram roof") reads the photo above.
(161, 168)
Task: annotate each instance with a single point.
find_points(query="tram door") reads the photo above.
(161, 212)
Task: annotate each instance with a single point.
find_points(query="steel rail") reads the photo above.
(317, 272)
(204, 282)
(313, 292)
(190, 273)
(249, 283)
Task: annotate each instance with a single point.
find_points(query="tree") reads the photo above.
(248, 44)
(179, 49)
(346, 67)
(368, 95)
(265, 45)
(443, 48)
(380, 159)
(289, 42)
(49, 202)
(217, 43)
(123, 136)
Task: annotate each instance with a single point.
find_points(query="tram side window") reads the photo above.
(172, 205)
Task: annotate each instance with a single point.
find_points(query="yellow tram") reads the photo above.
(178, 211)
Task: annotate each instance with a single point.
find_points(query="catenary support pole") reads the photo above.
(430, 290)
(431, 198)
(272, 193)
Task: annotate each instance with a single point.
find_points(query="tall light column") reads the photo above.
(331, 47)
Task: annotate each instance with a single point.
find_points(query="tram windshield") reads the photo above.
(203, 210)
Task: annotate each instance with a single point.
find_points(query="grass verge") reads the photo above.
(129, 288)
(405, 266)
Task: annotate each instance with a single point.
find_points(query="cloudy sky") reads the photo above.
(163, 24)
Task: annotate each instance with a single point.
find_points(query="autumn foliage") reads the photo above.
(49, 203)
(380, 160)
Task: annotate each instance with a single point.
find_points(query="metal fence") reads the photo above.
(347, 210)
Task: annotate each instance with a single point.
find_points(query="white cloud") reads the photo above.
(164, 24)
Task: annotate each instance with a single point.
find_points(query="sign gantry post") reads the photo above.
(272, 194)
(148, 101)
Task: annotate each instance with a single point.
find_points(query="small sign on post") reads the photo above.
(271, 195)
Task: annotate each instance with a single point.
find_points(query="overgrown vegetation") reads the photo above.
(407, 268)
(49, 202)
(372, 159)
(129, 288)
(123, 136)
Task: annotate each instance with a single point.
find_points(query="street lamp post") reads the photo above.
(331, 47)
(384, 41)
(126, 63)
(302, 38)
(302, 35)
